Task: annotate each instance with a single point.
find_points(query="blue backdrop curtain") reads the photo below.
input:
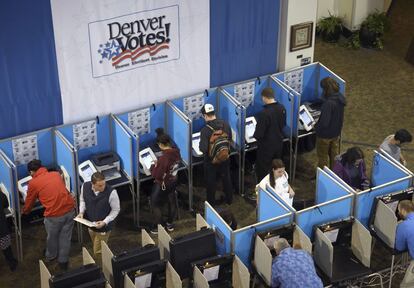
(29, 86)
(243, 39)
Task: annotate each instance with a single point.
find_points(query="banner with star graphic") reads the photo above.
(112, 55)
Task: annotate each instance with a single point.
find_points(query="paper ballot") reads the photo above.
(85, 222)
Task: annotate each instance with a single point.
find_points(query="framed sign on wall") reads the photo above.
(301, 36)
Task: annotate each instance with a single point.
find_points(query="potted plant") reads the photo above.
(330, 28)
(372, 30)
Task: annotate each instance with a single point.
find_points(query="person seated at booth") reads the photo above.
(164, 172)
(293, 267)
(350, 167)
(392, 144)
(278, 180)
(404, 238)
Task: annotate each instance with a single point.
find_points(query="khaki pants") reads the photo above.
(327, 149)
(408, 281)
(96, 238)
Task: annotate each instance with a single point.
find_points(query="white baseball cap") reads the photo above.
(207, 108)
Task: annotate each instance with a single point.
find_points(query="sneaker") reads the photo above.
(154, 230)
(169, 226)
(251, 197)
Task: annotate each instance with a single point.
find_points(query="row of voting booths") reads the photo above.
(339, 230)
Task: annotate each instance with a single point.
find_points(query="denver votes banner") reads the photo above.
(114, 56)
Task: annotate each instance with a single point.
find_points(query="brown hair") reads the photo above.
(268, 93)
(97, 176)
(406, 205)
(276, 164)
(329, 86)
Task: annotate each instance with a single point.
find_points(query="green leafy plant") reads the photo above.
(330, 28)
(353, 41)
(373, 29)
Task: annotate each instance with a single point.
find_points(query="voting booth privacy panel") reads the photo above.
(386, 177)
(328, 187)
(305, 81)
(271, 214)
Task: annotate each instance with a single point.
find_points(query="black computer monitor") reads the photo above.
(217, 269)
(132, 258)
(270, 236)
(190, 248)
(338, 232)
(151, 275)
(391, 200)
(98, 283)
(75, 277)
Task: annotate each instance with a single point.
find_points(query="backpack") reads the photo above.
(219, 146)
(171, 175)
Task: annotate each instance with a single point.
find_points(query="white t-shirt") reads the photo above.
(281, 187)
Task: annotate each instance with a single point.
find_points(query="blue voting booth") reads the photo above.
(386, 177)
(17, 152)
(7, 186)
(304, 84)
(95, 136)
(271, 214)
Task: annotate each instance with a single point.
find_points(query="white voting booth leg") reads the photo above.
(323, 252)
(199, 280)
(44, 275)
(361, 243)
(173, 279)
(241, 275)
(87, 258)
(201, 222)
(263, 260)
(107, 262)
(146, 238)
(299, 237)
(163, 242)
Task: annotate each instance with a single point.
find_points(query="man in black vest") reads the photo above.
(98, 203)
(269, 133)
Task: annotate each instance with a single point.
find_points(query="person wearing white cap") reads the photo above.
(214, 170)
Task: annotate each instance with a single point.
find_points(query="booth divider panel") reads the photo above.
(286, 98)
(243, 239)
(178, 129)
(384, 171)
(6, 177)
(64, 157)
(216, 222)
(269, 206)
(327, 189)
(328, 212)
(122, 146)
(336, 177)
(364, 201)
(103, 140)
(157, 120)
(228, 111)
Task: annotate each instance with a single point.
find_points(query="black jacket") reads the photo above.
(332, 117)
(4, 225)
(270, 123)
(206, 132)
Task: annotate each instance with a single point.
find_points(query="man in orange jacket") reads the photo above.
(59, 205)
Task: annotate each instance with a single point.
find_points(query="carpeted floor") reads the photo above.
(380, 90)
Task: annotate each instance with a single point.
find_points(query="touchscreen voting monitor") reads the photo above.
(393, 205)
(196, 145)
(338, 232)
(250, 128)
(146, 159)
(269, 237)
(332, 235)
(190, 248)
(151, 275)
(23, 184)
(306, 118)
(86, 169)
(130, 259)
(217, 269)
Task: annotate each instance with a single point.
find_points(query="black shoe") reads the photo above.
(154, 230)
(169, 226)
(64, 266)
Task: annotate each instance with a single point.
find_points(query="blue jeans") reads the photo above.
(59, 235)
